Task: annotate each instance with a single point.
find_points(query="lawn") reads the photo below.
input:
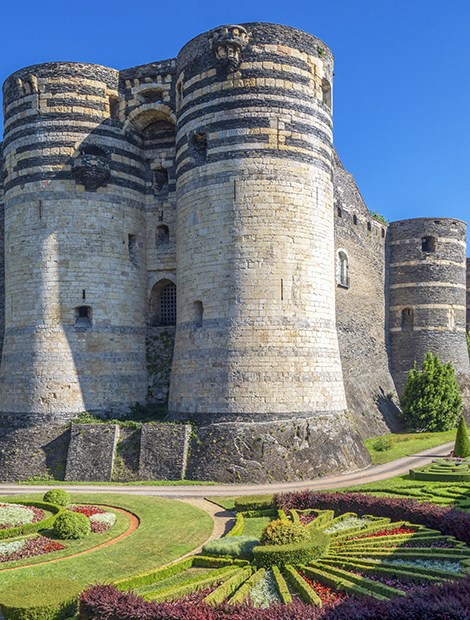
(397, 445)
(168, 529)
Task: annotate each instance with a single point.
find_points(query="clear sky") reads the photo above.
(401, 91)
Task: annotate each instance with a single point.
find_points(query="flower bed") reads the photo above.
(16, 515)
(100, 520)
(27, 548)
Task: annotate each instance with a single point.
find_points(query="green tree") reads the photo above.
(462, 442)
(468, 343)
(432, 399)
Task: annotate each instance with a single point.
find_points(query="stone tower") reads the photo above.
(256, 361)
(75, 253)
(427, 294)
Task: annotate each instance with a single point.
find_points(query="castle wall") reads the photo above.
(361, 303)
(428, 294)
(69, 247)
(468, 296)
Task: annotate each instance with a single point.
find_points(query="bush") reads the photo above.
(31, 528)
(59, 497)
(462, 442)
(72, 525)
(432, 399)
(382, 444)
(253, 502)
(40, 599)
(283, 532)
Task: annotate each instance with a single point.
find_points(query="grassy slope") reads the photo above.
(168, 530)
(405, 444)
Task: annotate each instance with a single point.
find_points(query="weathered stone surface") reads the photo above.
(91, 452)
(297, 448)
(163, 451)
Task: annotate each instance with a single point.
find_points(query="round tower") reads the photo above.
(256, 361)
(75, 277)
(427, 294)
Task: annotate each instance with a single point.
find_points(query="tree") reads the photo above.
(431, 400)
(462, 442)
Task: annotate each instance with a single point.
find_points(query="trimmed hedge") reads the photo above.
(295, 553)
(242, 592)
(419, 574)
(238, 527)
(40, 599)
(367, 584)
(303, 589)
(283, 532)
(435, 476)
(281, 584)
(338, 583)
(445, 519)
(228, 587)
(254, 502)
(32, 528)
(72, 526)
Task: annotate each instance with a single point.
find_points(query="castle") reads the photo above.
(184, 231)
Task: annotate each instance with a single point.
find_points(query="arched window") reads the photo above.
(355, 219)
(198, 313)
(428, 244)
(163, 303)
(160, 181)
(339, 212)
(407, 319)
(83, 317)
(342, 269)
(162, 235)
(151, 95)
(326, 92)
(198, 147)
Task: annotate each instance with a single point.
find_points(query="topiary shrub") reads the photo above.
(462, 442)
(431, 400)
(283, 532)
(59, 497)
(302, 552)
(72, 525)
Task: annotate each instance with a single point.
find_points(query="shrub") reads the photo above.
(253, 502)
(382, 444)
(234, 546)
(432, 399)
(40, 599)
(72, 525)
(59, 497)
(462, 442)
(283, 532)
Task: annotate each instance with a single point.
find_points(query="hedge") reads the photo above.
(378, 569)
(40, 599)
(303, 589)
(242, 592)
(435, 476)
(368, 584)
(238, 527)
(32, 528)
(295, 553)
(281, 584)
(340, 583)
(254, 502)
(236, 546)
(228, 587)
(196, 583)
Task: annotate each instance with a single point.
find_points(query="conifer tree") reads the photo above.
(462, 442)
(431, 400)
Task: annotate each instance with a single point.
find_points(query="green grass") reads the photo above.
(168, 530)
(395, 446)
(145, 483)
(255, 525)
(226, 502)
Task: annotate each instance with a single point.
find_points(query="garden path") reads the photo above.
(370, 474)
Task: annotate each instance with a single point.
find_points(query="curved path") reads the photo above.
(370, 474)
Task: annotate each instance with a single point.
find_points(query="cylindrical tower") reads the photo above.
(256, 359)
(427, 294)
(75, 272)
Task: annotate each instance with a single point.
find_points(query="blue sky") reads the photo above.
(401, 91)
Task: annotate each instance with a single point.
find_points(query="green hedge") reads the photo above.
(32, 528)
(154, 576)
(40, 599)
(205, 561)
(323, 517)
(369, 584)
(391, 570)
(235, 546)
(242, 592)
(239, 526)
(295, 553)
(228, 587)
(298, 583)
(254, 502)
(339, 583)
(281, 584)
(253, 514)
(192, 585)
(439, 477)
